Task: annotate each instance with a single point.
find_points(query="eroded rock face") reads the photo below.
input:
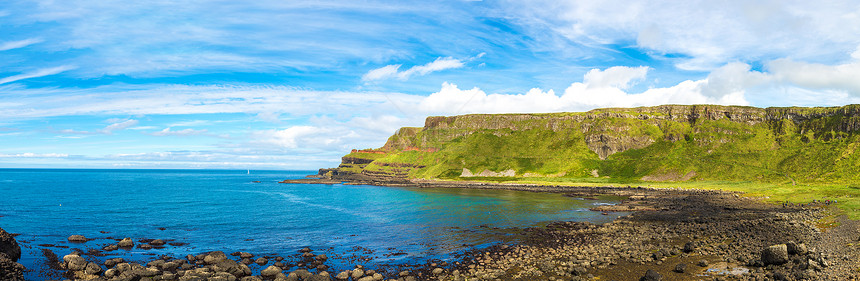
(9, 246)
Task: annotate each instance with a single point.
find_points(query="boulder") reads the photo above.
(796, 248)
(775, 254)
(111, 247)
(365, 278)
(9, 246)
(270, 272)
(302, 273)
(343, 275)
(245, 255)
(261, 261)
(93, 269)
(703, 263)
(681, 268)
(125, 243)
(157, 242)
(9, 269)
(75, 262)
(651, 275)
(437, 271)
(77, 238)
(689, 247)
(317, 277)
(357, 273)
(214, 257)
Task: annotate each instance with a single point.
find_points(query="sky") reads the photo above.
(296, 84)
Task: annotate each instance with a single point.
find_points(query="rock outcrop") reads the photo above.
(10, 252)
(660, 143)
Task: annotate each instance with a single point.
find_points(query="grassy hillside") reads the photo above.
(657, 145)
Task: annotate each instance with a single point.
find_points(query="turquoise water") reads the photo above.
(226, 210)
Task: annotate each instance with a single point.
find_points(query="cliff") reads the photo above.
(661, 143)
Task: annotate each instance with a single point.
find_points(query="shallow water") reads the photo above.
(226, 210)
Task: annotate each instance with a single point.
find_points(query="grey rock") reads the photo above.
(302, 273)
(651, 275)
(261, 261)
(681, 268)
(775, 254)
(157, 242)
(111, 247)
(437, 271)
(703, 263)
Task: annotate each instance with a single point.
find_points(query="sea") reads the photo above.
(197, 211)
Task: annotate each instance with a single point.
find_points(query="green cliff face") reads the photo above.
(662, 143)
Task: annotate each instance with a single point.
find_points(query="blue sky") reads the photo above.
(297, 84)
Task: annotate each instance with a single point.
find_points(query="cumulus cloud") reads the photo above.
(600, 88)
(183, 132)
(392, 71)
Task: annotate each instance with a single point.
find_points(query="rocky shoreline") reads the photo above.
(672, 234)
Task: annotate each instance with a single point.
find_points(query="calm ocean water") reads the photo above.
(226, 210)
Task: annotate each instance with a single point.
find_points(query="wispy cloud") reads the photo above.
(121, 125)
(183, 132)
(19, 44)
(392, 71)
(34, 155)
(36, 73)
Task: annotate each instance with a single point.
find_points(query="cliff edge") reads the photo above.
(660, 143)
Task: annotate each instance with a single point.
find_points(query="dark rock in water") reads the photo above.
(651, 275)
(681, 268)
(322, 257)
(305, 250)
(77, 238)
(125, 243)
(246, 261)
(261, 261)
(9, 246)
(775, 254)
(111, 247)
(796, 248)
(689, 247)
(9, 269)
(245, 255)
(145, 246)
(157, 242)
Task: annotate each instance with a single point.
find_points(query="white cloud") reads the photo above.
(707, 34)
(5, 46)
(34, 155)
(37, 73)
(618, 76)
(391, 71)
(183, 132)
(117, 126)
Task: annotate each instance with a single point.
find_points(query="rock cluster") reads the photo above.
(10, 252)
